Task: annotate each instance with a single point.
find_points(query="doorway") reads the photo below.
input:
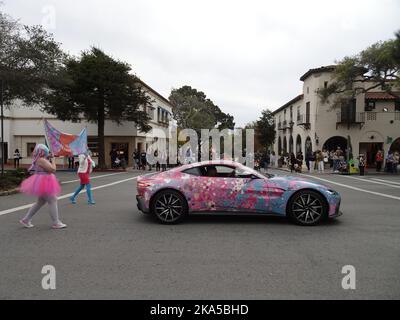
(122, 150)
(370, 149)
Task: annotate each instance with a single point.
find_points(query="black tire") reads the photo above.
(169, 206)
(307, 208)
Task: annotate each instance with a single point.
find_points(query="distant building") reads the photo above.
(371, 122)
(23, 128)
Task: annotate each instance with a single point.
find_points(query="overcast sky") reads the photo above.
(245, 55)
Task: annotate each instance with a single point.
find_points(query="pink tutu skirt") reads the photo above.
(41, 185)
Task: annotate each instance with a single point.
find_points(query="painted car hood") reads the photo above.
(294, 183)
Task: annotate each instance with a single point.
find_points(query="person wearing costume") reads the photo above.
(86, 165)
(44, 185)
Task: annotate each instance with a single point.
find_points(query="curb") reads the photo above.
(9, 192)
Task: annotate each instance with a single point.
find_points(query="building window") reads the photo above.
(291, 113)
(369, 105)
(159, 114)
(30, 146)
(326, 84)
(150, 112)
(397, 105)
(93, 145)
(308, 90)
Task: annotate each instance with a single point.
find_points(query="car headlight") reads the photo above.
(332, 192)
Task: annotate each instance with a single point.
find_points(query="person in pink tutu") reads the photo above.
(44, 185)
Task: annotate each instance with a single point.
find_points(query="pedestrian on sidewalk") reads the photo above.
(17, 157)
(396, 160)
(390, 162)
(136, 158)
(86, 165)
(311, 159)
(299, 162)
(292, 161)
(44, 185)
(361, 164)
(379, 160)
(320, 161)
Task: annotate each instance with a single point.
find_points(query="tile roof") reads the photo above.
(294, 100)
(317, 70)
(380, 96)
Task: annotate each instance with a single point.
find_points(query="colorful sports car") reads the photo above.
(220, 186)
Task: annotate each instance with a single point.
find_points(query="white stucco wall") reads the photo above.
(377, 128)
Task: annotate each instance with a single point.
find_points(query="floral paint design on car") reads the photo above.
(230, 186)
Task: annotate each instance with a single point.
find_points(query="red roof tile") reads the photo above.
(380, 96)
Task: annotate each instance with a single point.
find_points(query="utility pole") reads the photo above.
(2, 129)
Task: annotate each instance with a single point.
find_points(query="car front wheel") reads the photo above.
(169, 206)
(307, 208)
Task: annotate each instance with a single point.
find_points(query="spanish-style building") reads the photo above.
(23, 129)
(369, 124)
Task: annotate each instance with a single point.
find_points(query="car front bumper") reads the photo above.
(141, 204)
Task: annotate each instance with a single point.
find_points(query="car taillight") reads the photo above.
(143, 184)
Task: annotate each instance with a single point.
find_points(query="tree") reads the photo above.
(378, 66)
(192, 109)
(265, 128)
(98, 87)
(30, 59)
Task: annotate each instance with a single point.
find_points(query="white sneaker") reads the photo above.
(60, 225)
(27, 225)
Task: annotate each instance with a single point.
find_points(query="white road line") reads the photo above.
(388, 181)
(369, 180)
(353, 188)
(94, 177)
(27, 206)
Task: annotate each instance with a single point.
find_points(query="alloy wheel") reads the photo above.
(307, 208)
(168, 207)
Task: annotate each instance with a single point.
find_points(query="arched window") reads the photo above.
(284, 145)
(308, 146)
(290, 144)
(298, 144)
(279, 146)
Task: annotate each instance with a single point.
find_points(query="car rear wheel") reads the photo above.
(169, 206)
(307, 208)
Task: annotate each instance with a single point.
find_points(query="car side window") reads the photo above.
(194, 171)
(219, 171)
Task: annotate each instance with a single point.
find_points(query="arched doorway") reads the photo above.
(284, 145)
(334, 142)
(298, 144)
(395, 146)
(290, 144)
(279, 146)
(308, 146)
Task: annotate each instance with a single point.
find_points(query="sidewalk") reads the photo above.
(329, 171)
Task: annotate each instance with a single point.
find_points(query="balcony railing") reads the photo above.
(303, 120)
(356, 118)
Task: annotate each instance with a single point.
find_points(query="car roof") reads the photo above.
(210, 163)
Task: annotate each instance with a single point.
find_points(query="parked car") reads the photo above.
(226, 186)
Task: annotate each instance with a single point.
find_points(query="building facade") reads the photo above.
(23, 129)
(369, 124)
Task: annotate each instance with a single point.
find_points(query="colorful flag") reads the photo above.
(64, 144)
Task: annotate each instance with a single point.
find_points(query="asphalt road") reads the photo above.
(111, 251)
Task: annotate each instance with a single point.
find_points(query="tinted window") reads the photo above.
(193, 171)
(219, 171)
